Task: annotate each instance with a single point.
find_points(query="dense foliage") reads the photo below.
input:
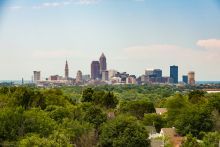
(105, 116)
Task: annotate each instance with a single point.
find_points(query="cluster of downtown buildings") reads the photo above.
(101, 75)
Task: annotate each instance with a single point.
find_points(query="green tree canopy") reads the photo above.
(123, 131)
(137, 108)
(155, 120)
(87, 95)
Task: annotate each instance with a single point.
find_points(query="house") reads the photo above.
(171, 136)
(161, 111)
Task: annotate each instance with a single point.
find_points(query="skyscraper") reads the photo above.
(66, 71)
(36, 76)
(103, 64)
(95, 70)
(185, 79)
(174, 73)
(191, 78)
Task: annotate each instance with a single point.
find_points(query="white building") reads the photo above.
(37, 76)
(111, 73)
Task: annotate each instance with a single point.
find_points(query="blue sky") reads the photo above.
(134, 35)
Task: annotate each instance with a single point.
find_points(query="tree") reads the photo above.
(123, 131)
(214, 101)
(154, 120)
(57, 112)
(23, 96)
(38, 121)
(211, 139)
(97, 97)
(71, 131)
(94, 115)
(190, 141)
(109, 100)
(87, 95)
(55, 97)
(175, 105)
(11, 120)
(137, 108)
(196, 96)
(194, 120)
(36, 140)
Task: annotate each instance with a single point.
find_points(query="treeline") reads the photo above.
(105, 116)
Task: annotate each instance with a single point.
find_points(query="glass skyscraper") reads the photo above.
(174, 73)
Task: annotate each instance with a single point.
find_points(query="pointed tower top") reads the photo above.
(66, 66)
(103, 55)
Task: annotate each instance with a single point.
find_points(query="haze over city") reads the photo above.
(133, 34)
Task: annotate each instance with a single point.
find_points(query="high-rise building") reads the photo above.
(157, 73)
(105, 76)
(66, 71)
(149, 72)
(95, 70)
(103, 64)
(79, 77)
(185, 79)
(191, 78)
(36, 76)
(174, 73)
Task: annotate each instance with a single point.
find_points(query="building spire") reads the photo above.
(66, 71)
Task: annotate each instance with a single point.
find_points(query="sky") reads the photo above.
(133, 34)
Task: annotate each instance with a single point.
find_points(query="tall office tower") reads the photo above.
(149, 72)
(105, 75)
(174, 73)
(66, 71)
(103, 64)
(95, 70)
(185, 79)
(191, 78)
(157, 73)
(36, 76)
(79, 77)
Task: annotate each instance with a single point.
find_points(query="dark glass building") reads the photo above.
(185, 79)
(157, 73)
(174, 73)
(95, 70)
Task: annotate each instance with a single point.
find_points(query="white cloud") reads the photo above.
(49, 5)
(209, 43)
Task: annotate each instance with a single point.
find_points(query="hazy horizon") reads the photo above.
(134, 35)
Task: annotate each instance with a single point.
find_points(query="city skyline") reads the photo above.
(99, 72)
(133, 34)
